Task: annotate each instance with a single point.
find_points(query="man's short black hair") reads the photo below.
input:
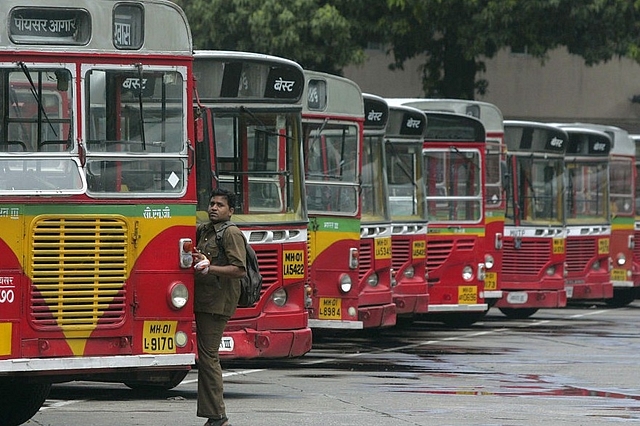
(230, 196)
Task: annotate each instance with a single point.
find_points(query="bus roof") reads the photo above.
(622, 142)
(245, 77)
(406, 122)
(488, 113)
(584, 141)
(97, 26)
(330, 94)
(534, 137)
(376, 112)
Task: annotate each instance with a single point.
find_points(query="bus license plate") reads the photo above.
(330, 308)
(158, 337)
(226, 344)
(619, 275)
(467, 294)
(491, 281)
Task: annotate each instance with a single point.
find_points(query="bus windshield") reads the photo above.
(331, 157)
(136, 115)
(404, 173)
(587, 192)
(255, 154)
(374, 196)
(539, 188)
(454, 185)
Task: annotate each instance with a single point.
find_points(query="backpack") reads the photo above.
(251, 283)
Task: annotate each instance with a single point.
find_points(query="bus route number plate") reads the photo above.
(330, 308)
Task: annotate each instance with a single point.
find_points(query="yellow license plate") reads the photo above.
(558, 245)
(619, 275)
(158, 337)
(330, 308)
(383, 248)
(491, 281)
(419, 249)
(603, 246)
(467, 294)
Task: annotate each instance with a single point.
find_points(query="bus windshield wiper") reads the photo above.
(262, 127)
(36, 96)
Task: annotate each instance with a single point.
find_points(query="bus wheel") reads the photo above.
(20, 401)
(514, 313)
(621, 298)
(157, 380)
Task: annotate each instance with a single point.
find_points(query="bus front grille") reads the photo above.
(78, 270)
(268, 263)
(580, 251)
(401, 252)
(528, 259)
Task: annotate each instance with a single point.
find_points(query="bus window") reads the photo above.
(403, 191)
(115, 120)
(36, 107)
(332, 168)
(621, 185)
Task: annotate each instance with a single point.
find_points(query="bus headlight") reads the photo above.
(409, 272)
(178, 295)
(551, 270)
(279, 297)
(467, 273)
(488, 261)
(595, 265)
(621, 259)
(345, 283)
(372, 280)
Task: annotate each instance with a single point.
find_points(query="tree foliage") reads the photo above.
(455, 36)
(458, 35)
(314, 34)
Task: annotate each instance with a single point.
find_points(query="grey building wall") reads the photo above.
(562, 88)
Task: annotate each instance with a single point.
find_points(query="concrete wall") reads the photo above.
(562, 88)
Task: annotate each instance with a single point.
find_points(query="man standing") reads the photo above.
(217, 290)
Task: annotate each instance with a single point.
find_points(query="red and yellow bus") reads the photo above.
(97, 208)
(587, 216)
(377, 307)
(249, 110)
(533, 269)
(622, 192)
(333, 123)
(404, 138)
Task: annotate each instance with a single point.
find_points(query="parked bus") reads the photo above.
(333, 123)
(533, 269)
(404, 137)
(374, 272)
(636, 234)
(249, 109)
(587, 216)
(97, 212)
(493, 194)
(624, 276)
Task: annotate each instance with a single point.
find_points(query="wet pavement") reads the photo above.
(573, 366)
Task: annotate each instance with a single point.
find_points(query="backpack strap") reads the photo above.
(219, 235)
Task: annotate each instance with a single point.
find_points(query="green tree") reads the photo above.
(458, 35)
(313, 33)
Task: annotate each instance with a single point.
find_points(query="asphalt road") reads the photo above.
(572, 366)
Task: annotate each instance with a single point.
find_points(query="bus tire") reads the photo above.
(21, 401)
(621, 298)
(157, 381)
(523, 313)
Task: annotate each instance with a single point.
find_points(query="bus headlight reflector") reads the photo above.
(409, 272)
(279, 297)
(488, 261)
(372, 280)
(467, 273)
(181, 339)
(178, 295)
(345, 283)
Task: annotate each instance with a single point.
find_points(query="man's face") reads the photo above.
(219, 210)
